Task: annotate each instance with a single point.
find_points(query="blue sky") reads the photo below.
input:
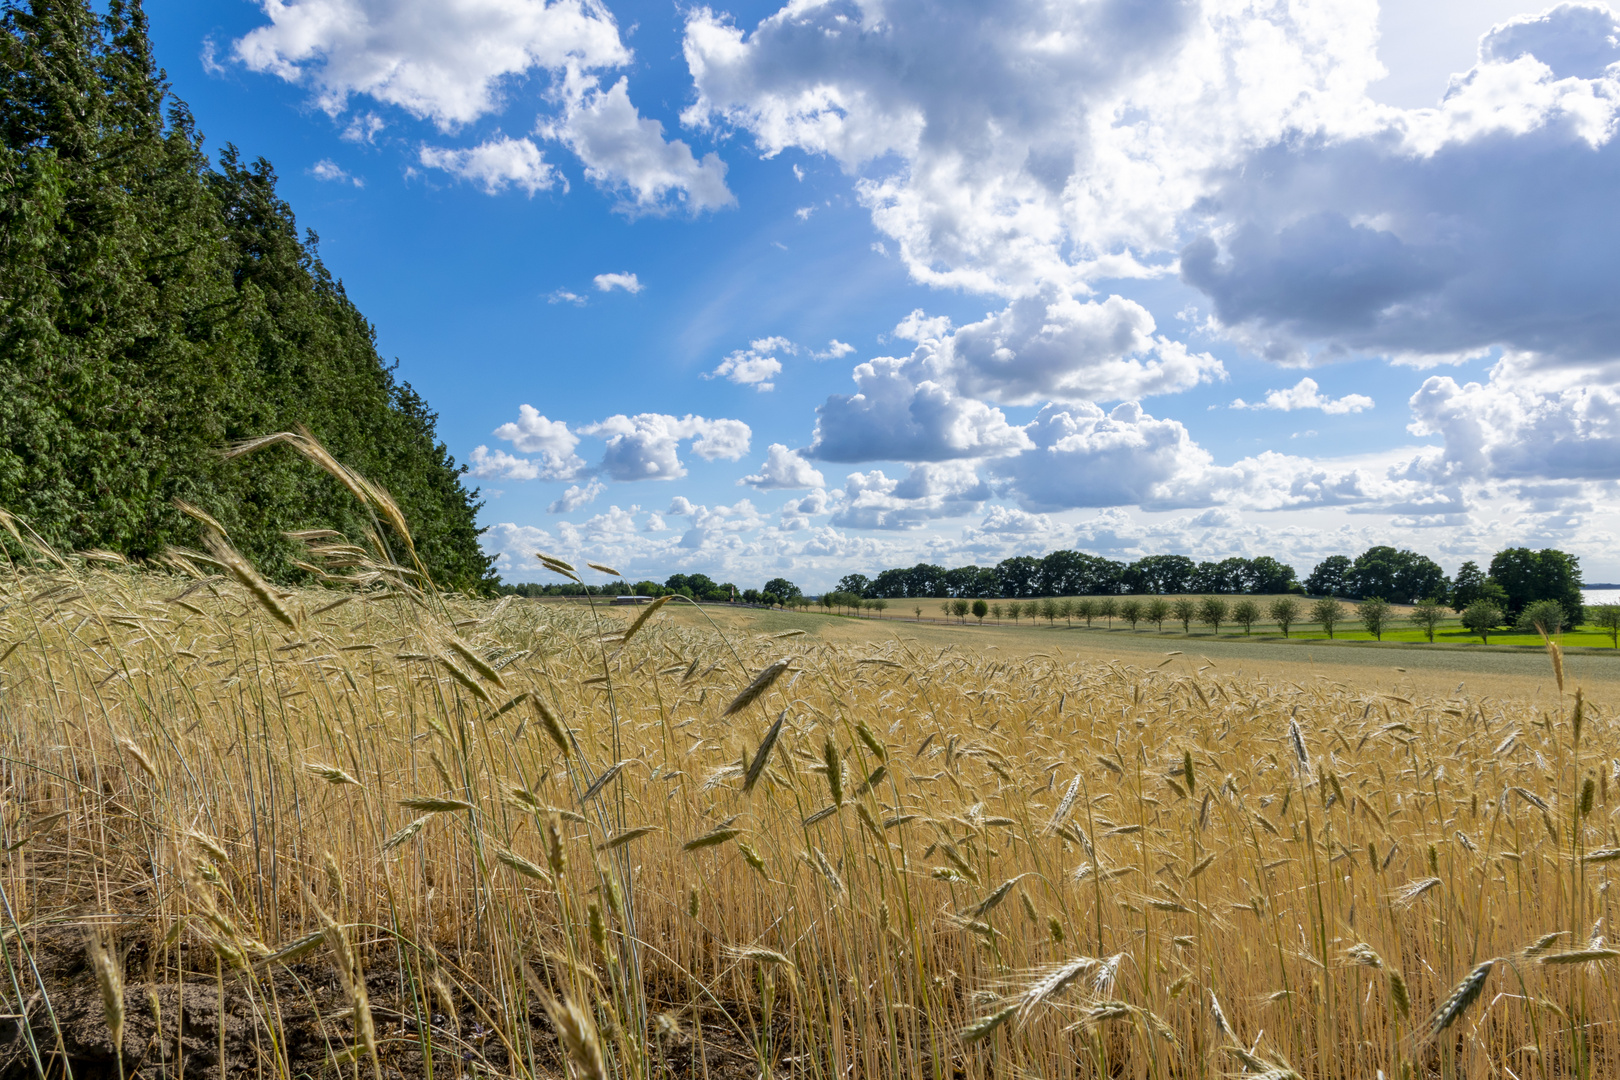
(1199, 276)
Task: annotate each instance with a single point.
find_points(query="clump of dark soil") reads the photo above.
(204, 1027)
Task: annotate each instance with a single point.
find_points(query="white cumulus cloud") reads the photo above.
(746, 367)
(450, 61)
(533, 433)
(644, 446)
(495, 165)
(1306, 394)
(874, 500)
(576, 497)
(784, 469)
(1525, 423)
(627, 152)
(490, 464)
(1005, 146)
(441, 60)
(1051, 347)
(327, 169)
(626, 281)
(931, 405)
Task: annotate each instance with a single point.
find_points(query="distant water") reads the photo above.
(1600, 596)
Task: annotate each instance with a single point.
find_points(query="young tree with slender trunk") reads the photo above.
(1246, 613)
(1158, 610)
(1329, 613)
(1284, 611)
(1607, 616)
(1427, 615)
(1482, 616)
(1212, 611)
(1374, 614)
(1185, 609)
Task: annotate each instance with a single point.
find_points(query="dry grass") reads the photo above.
(882, 862)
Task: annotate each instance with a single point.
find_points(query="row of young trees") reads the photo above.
(1516, 578)
(1376, 615)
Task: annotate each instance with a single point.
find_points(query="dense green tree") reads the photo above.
(924, 579)
(855, 584)
(783, 589)
(1160, 575)
(1231, 576)
(1549, 574)
(695, 585)
(1267, 575)
(1420, 578)
(1468, 586)
(971, 581)
(1400, 576)
(890, 583)
(1075, 573)
(1017, 576)
(154, 310)
(1373, 573)
(1331, 577)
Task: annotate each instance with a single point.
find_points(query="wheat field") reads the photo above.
(376, 829)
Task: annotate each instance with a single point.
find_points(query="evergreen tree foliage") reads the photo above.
(154, 309)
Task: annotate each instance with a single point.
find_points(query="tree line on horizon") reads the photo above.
(156, 308)
(1521, 586)
(1515, 578)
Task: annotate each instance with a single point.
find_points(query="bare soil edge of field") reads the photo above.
(186, 1032)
